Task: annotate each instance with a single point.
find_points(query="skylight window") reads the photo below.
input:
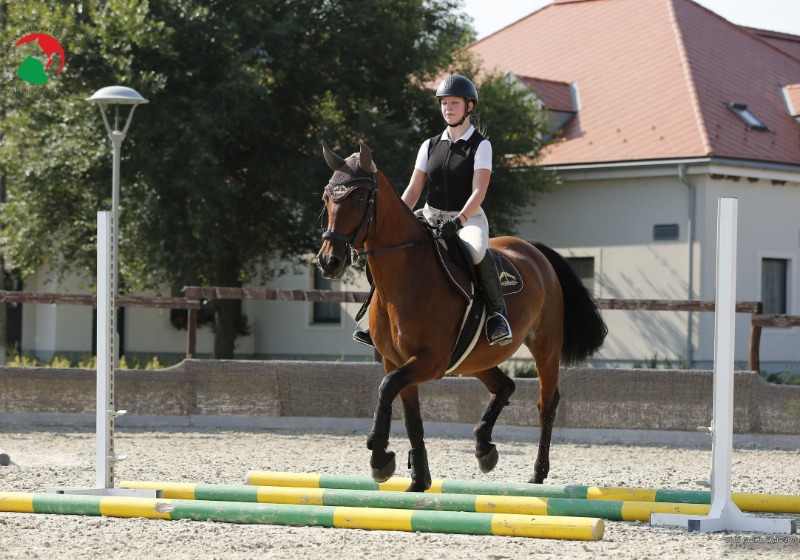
(747, 116)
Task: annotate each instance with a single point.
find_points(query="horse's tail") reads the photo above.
(584, 328)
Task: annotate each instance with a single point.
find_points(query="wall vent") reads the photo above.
(665, 232)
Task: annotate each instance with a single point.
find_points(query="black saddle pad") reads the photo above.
(510, 279)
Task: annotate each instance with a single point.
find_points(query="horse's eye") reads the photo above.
(361, 198)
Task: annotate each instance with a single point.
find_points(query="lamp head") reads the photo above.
(117, 95)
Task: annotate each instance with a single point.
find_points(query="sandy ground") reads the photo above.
(47, 457)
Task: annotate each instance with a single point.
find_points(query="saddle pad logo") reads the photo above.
(508, 279)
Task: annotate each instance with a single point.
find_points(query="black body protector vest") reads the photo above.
(450, 170)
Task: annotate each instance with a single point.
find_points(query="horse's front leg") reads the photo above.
(417, 455)
(414, 371)
(501, 388)
(382, 460)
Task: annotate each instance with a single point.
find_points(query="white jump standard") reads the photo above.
(724, 515)
(106, 457)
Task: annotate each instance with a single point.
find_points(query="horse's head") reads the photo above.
(349, 199)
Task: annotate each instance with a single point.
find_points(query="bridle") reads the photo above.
(338, 191)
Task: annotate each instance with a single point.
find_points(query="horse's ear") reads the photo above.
(365, 158)
(334, 161)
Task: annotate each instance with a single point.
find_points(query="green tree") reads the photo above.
(222, 170)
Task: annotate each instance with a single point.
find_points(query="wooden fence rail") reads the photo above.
(196, 296)
(89, 299)
(192, 305)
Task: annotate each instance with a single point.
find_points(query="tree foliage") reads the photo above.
(221, 171)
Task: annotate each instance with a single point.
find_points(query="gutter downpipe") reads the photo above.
(690, 235)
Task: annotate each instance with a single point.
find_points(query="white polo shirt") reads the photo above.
(483, 155)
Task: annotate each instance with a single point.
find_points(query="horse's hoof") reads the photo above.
(385, 472)
(417, 486)
(488, 461)
(536, 480)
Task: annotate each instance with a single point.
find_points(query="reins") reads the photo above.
(373, 252)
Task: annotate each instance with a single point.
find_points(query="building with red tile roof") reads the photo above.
(665, 107)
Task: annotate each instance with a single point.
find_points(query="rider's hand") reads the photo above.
(449, 228)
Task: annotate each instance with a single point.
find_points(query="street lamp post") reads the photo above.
(107, 98)
(115, 97)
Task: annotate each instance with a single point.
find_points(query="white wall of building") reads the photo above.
(149, 331)
(286, 328)
(768, 227)
(612, 221)
(49, 328)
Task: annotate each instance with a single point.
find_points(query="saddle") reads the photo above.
(460, 271)
(458, 267)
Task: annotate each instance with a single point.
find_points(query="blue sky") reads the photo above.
(777, 15)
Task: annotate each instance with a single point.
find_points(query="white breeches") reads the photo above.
(475, 233)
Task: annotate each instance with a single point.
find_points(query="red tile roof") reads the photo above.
(783, 41)
(654, 79)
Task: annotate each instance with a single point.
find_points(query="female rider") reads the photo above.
(458, 166)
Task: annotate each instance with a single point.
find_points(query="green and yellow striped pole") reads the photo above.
(570, 528)
(767, 503)
(613, 510)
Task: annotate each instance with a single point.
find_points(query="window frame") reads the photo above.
(791, 259)
(589, 253)
(315, 279)
(750, 120)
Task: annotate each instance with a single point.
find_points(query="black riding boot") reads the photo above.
(362, 336)
(498, 331)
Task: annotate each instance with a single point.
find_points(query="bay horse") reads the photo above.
(416, 313)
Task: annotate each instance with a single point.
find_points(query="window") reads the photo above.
(774, 280)
(584, 268)
(665, 232)
(747, 116)
(324, 313)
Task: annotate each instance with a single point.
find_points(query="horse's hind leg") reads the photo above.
(417, 455)
(547, 355)
(501, 388)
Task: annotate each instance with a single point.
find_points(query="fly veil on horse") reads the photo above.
(416, 314)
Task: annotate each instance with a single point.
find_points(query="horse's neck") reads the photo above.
(395, 223)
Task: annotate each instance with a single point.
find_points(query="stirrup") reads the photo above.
(362, 336)
(501, 334)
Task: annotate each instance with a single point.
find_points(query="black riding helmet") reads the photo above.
(458, 86)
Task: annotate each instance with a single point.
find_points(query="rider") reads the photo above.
(458, 165)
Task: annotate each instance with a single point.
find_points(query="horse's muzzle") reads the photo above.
(331, 264)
